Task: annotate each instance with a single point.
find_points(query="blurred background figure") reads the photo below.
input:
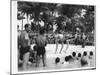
(83, 39)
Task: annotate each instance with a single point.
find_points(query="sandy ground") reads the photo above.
(51, 56)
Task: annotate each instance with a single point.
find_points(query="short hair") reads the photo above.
(26, 25)
(67, 58)
(70, 57)
(85, 53)
(91, 53)
(42, 31)
(57, 60)
(74, 54)
(79, 54)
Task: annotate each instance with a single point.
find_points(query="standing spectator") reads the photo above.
(25, 46)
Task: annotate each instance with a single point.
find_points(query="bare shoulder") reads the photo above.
(23, 32)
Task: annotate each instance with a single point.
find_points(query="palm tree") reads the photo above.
(24, 8)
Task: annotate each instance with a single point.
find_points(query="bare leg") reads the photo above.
(35, 54)
(62, 45)
(67, 45)
(56, 46)
(37, 60)
(25, 60)
(44, 59)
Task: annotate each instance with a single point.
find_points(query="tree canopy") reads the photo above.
(72, 15)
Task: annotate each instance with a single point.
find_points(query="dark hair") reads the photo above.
(85, 53)
(35, 48)
(26, 25)
(74, 54)
(67, 58)
(70, 57)
(57, 60)
(79, 54)
(91, 53)
(42, 31)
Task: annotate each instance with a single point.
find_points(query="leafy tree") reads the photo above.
(67, 12)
